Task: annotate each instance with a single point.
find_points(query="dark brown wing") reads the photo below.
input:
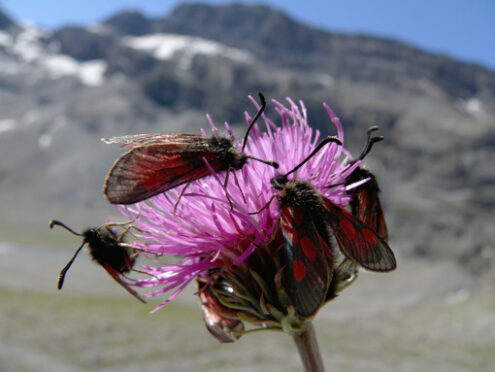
(151, 169)
(308, 272)
(358, 241)
(365, 204)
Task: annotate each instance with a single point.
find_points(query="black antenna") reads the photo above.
(61, 276)
(58, 223)
(256, 117)
(370, 141)
(318, 148)
(274, 164)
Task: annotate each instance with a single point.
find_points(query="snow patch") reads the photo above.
(27, 44)
(166, 46)
(30, 117)
(90, 73)
(45, 140)
(474, 107)
(7, 125)
(30, 49)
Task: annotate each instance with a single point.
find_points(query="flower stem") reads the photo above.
(308, 349)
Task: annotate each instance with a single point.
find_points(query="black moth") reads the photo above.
(308, 221)
(107, 249)
(365, 206)
(365, 203)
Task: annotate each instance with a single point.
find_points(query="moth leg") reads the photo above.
(226, 191)
(264, 207)
(124, 233)
(238, 186)
(144, 272)
(180, 196)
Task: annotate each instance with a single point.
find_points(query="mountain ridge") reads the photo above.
(61, 91)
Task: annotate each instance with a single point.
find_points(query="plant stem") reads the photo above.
(308, 349)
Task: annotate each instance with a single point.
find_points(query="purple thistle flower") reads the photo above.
(225, 235)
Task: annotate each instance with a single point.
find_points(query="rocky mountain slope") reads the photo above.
(61, 91)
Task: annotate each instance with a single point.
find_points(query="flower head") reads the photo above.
(224, 230)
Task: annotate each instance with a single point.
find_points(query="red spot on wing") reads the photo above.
(299, 270)
(295, 237)
(154, 181)
(308, 248)
(369, 236)
(159, 178)
(348, 229)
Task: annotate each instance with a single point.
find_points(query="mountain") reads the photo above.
(6, 22)
(61, 91)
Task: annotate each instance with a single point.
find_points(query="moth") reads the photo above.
(107, 249)
(365, 202)
(307, 245)
(309, 222)
(156, 163)
(221, 322)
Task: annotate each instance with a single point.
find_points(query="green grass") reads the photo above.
(49, 332)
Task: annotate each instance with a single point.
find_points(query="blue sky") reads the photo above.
(464, 29)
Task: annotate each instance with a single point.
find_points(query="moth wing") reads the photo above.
(117, 277)
(358, 241)
(148, 170)
(369, 210)
(131, 141)
(308, 273)
(366, 205)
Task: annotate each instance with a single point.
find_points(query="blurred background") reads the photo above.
(424, 71)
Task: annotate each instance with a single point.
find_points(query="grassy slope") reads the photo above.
(49, 332)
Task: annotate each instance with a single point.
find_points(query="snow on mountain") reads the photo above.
(90, 73)
(7, 125)
(166, 46)
(474, 107)
(29, 47)
(134, 74)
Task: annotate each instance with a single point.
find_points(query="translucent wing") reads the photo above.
(308, 273)
(358, 241)
(131, 141)
(147, 170)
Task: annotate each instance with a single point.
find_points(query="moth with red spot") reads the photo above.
(107, 249)
(308, 222)
(156, 163)
(365, 202)
(307, 247)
